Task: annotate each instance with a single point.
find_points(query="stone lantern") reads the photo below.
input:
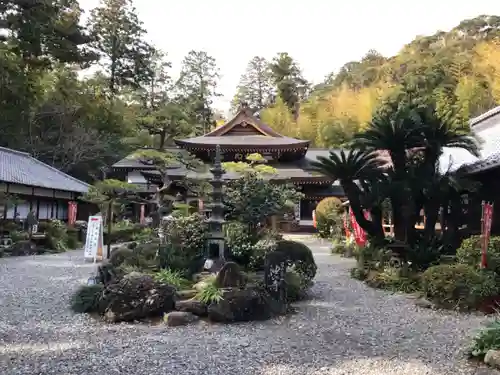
(215, 242)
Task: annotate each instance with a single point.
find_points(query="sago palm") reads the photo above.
(351, 170)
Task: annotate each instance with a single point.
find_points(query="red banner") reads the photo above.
(72, 207)
(315, 225)
(142, 217)
(486, 221)
(359, 233)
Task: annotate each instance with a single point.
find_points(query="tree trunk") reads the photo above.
(431, 211)
(398, 220)
(377, 220)
(163, 136)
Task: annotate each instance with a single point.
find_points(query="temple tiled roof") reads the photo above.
(487, 128)
(284, 172)
(21, 168)
(244, 132)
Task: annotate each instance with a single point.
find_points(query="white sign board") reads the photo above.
(94, 241)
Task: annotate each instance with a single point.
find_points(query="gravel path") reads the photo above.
(347, 329)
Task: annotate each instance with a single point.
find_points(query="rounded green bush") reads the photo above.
(328, 218)
(120, 256)
(186, 239)
(240, 242)
(469, 252)
(458, 285)
(295, 286)
(142, 257)
(86, 298)
(300, 257)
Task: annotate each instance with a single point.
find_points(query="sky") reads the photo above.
(322, 35)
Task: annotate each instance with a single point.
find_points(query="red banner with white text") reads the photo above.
(72, 207)
(486, 221)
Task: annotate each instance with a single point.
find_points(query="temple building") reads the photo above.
(245, 134)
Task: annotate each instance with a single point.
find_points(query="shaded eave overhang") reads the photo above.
(262, 147)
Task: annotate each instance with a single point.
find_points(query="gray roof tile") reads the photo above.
(21, 168)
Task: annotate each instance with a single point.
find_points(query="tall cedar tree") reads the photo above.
(197, 84)
(256, 86)
(118, 36)
(42, 32)
(290, 84)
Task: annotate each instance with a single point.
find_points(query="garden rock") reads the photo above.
(136, 296)
(492, 358)
(230, 276)
(240, 305)
(192, 306)
(179, 318)
(201, 276)
(22, 248)
(424, 303)
(186, 294)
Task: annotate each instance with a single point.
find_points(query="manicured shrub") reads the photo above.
(487, 339)
(393, 279)
(300, 257)
(239, 242)
(120, 256)
(264, 246)
(142, 256)
(186, 240)
(72, 238)
(458, 285)
(56, 235)
(127, 233)
(469, 252)
(86, 298)
(371, 257)
(295, 286)
(328, 217)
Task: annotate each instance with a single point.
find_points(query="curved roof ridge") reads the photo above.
(244, 114)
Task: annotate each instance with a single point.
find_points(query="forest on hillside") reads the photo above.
(457, 71)
(80, 96)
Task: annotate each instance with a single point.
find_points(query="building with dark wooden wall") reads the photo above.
(39, 188)
(243, 135)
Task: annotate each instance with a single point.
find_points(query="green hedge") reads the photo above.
(127, 234)
(300, 257)
(458, 285)
(470, 252)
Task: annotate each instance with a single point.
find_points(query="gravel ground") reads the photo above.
(346, 329)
